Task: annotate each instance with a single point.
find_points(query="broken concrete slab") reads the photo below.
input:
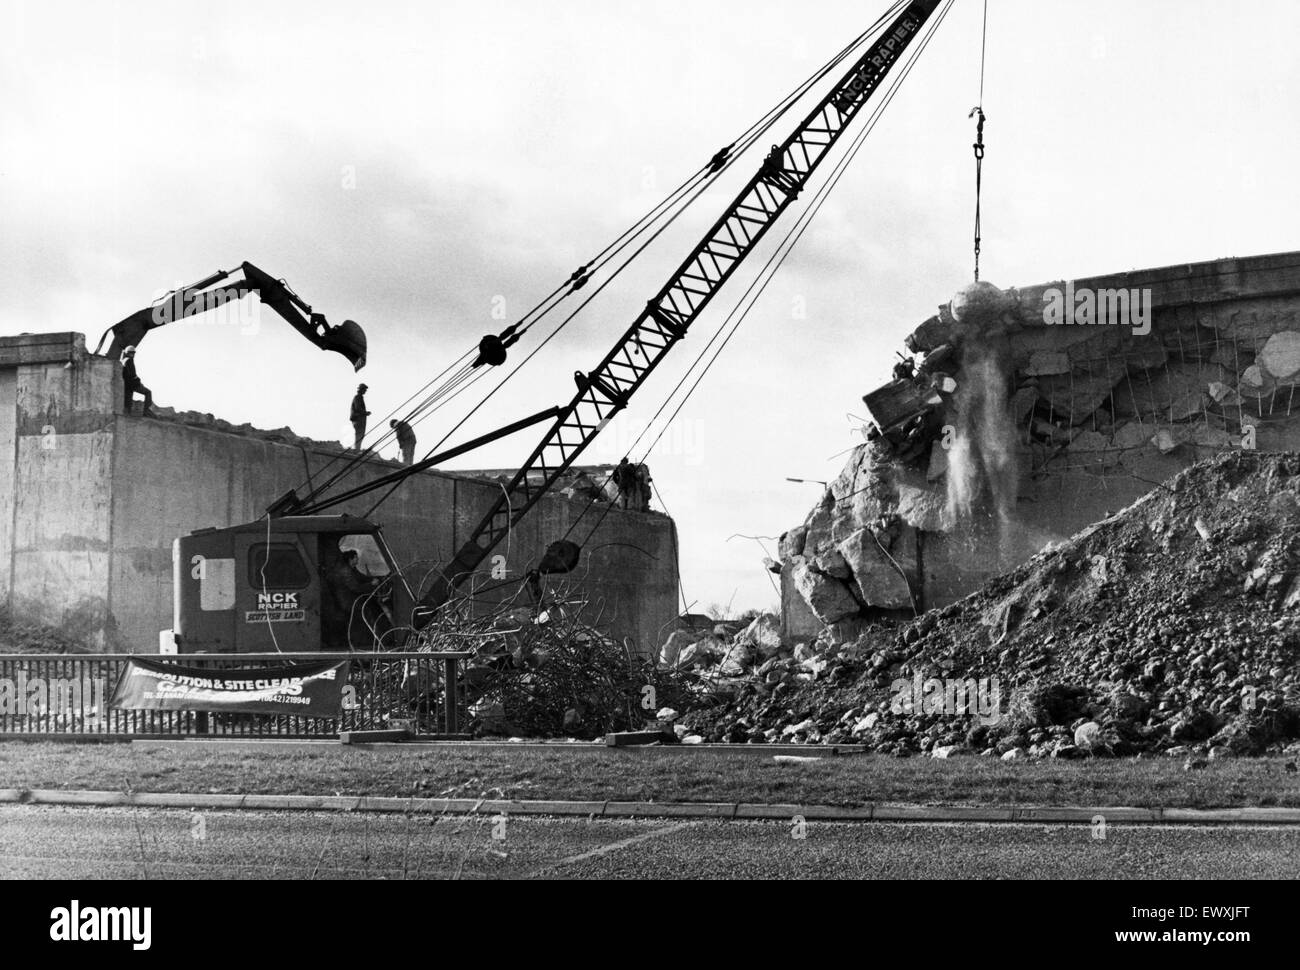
(829, 599)
(1173, 394)
(831, 563)
(1251, 321)
(817, 535)
(792, 543)
(764, 634)
(1048, 363)
(1090, 441)
(923, 509)
(1133, 435)
(1074, 397)
(877, 577)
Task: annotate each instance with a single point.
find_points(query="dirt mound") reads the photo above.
(1172, 625)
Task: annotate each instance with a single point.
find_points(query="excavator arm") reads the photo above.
(605, 391)
(217, 290)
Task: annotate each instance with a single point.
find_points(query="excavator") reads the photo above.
(226, 286)
(304, 580)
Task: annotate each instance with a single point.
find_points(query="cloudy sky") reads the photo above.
(412, 165)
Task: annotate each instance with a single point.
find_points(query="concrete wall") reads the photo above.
(91, 500)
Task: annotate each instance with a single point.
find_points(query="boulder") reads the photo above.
(1280, 357)
(803, 727)
(878, 580)
(866, 724)
(764, 635)
(1223, 394)
(951, 751)
(818, 535)
(1256, 383)
(831, 563)
(792, 543)
(1088, 736)
(924, 510)
(829, 599)
(1166, 441)
(690, 657)
(670, 655)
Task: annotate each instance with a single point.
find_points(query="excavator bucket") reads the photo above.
(349, 340)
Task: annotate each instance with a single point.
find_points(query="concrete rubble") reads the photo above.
(1171, 628)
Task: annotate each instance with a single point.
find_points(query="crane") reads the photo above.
(295, 561)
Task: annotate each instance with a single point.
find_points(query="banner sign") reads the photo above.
(306, 690)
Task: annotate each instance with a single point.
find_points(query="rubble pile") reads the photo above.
(1173, 626)
(208, 422)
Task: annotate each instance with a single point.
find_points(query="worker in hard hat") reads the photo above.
(132, 384)
(359, 415)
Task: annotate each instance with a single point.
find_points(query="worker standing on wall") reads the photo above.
(359, 415)
(625, 482)
(644, 486)
(405, 441)
(133, 385)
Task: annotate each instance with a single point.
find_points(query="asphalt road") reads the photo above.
(49, 842)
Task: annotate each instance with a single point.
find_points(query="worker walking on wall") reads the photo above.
(405, 441)
(133, 385)
(359, 415)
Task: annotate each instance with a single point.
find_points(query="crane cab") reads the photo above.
(291, 585)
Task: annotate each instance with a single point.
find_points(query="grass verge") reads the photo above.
(648, 775)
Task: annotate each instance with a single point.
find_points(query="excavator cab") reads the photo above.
(295, 585)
